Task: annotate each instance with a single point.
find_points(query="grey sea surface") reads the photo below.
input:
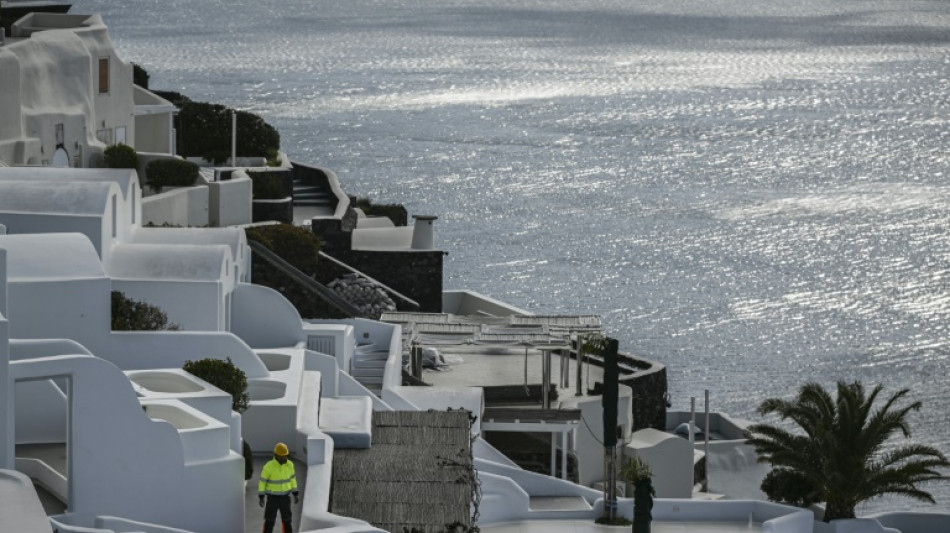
(754, 194)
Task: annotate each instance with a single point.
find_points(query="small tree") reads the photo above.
(223, 375)
(139, 76)
(638, 473)
(205, 131)
(120, 156)
(170, 172)
(299, 247)
(840, 454)
(789, 486)
(135, 315)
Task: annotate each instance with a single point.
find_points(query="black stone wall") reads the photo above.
(649, 397)
(416, 274)
(279, 210)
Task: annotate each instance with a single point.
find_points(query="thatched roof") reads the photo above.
(416, 475)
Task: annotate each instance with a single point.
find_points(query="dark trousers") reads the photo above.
(274, 504)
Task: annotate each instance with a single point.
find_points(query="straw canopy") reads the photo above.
(418, 473)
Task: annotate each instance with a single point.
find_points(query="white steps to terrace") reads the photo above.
(311, 195)
(368, 367)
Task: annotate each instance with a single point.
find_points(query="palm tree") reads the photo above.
(841, 451)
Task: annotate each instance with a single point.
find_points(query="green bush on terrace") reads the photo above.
(224, 375)
(170, 173)
(135, 315)
(205, 131)
(299, 247)
(268, 185)
(395, 212)
(120, 156)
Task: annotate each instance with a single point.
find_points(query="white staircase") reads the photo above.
(368, 366)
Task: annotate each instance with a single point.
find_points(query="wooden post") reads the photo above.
(580, 366)
(609, 407)
(545, 379)
(415, 355)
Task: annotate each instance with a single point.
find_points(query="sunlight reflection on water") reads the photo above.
(751, 193)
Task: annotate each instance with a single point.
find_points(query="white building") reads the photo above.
(106, 421)
(65, 95)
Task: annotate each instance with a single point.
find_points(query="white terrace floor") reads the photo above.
(578, 526)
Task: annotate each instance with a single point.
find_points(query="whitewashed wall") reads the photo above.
(230, 202)
(192, 305)
(6, 393)
(590, 451)
(263, 318)
(205, 495)
(40, 413)
(20, 223)
(137, 350)
(186, 206)
(71, 309)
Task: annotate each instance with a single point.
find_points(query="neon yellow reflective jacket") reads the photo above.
(278, 479)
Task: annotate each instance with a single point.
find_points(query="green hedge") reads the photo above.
(395, 212)
(140, 76)
(299, 247)
(135, 315)
(120, 156)
(170, 173)
(269, 185)
(205, 131)
(223, 375)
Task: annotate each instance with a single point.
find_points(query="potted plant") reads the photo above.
(637, 472)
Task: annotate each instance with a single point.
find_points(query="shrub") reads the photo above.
(176, 98)
(135, 315)
(787, 486)
(205, 131)
(395, 212)
(223, 375)
(299, 247)
(269, 185)
(170, 173)
(272, 158)
(248, 460)
(120, 156)
(139, 76)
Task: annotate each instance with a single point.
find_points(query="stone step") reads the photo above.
(311, 194)
(372, 373)
(369, 363)
(367, 381)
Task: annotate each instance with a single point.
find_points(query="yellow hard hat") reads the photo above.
(281, 449)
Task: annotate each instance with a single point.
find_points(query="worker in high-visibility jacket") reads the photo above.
(278, 482)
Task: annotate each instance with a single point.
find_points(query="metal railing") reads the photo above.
(320, 290)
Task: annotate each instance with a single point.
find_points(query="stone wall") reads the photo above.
(649, 397)
(415, 274)
(267, 210)
(647, 380)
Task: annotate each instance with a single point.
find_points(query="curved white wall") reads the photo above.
(264, 319)
(82, 311)
(207, 495)
(191, 305)
(145, 350)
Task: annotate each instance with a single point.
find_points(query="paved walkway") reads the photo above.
(253, 513)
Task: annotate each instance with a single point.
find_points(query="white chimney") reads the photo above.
(423, 232)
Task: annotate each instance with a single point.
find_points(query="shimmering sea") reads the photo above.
(756, 194)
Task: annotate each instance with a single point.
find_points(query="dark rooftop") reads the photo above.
(418, 473)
